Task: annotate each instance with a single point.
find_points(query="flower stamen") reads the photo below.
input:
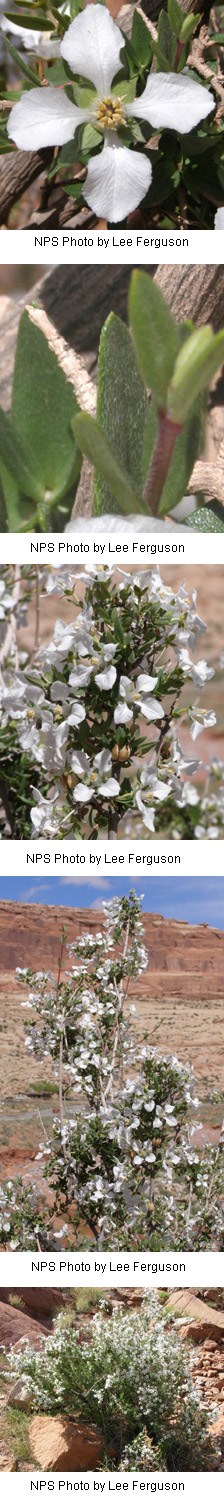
(109, 114)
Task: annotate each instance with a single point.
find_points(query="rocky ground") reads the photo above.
(28, 1440)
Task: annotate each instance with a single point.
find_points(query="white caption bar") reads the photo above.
(148, 1270)
(188, 1489)
(85, 547)
(188, 857)
(111, 246)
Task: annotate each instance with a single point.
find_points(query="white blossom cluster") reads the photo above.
(91, 722)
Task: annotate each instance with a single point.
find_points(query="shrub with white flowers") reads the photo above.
(132, 1376)
(122, 1162)
(98, 98)
(91, 723)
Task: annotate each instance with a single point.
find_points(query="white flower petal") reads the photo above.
(79, 763)
(92, 47)
(117, 180)
(77, 715)
(172, 100)
(43, 118)
(103, 762)
(148, 813)
(219, 219)
(109, 788)
(152, 710)
(83, 793)
(123, 714)
(106, 679)
(146, 683)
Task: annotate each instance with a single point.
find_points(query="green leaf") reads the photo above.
(206, 520)
(35, 21)
(189, 24)
(75, 191)
(122, 405)
(125, 89)
(185, 453)
(166, 46)
(11, 496)
(141, 40)
(4, 524)
(28, 72)
(95, 445)
(13, 456)
(197, 362)
(155, 333)
(43, 407)
(175, 15)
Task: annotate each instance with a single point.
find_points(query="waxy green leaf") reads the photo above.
(155, 334)
(122, 406)
(197, 363)
(43, 406)
(95, 445)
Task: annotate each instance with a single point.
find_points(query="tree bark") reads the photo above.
(17, 171)
(195, 293)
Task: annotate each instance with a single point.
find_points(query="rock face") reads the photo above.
(60, 1444)
(41, 1304)
(203, 1323)
(14, 1325)
(179, 953)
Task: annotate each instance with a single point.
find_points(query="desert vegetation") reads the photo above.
(94, 723)
(131, 1381)
(123, 1163)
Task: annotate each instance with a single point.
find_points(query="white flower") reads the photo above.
(45, 815)
(200, 673)
(152, 787)
(98, 776)
(203, 718)
(118, 177)
(129, 694)
(219, 219)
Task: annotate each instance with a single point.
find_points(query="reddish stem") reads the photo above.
(165, 442)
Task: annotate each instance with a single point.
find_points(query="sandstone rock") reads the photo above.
(42, 1304)
(60, 1444)
(20, 1395)
(182, 957)
(217, 1429)
(204, 1322)
(8, 1464)
(14, 1326)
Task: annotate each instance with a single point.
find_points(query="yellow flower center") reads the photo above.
(109, 114)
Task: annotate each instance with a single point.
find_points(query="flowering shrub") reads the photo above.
(23, 1221)
(143, 454)
(131, 1377)
(123, 1165)
(106, 97)
(90, 724)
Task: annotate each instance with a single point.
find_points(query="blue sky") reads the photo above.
(196, 899)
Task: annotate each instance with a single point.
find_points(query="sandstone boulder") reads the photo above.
(60, 1444)
(200, 1321)
(42, 1303)
(14, 1325)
